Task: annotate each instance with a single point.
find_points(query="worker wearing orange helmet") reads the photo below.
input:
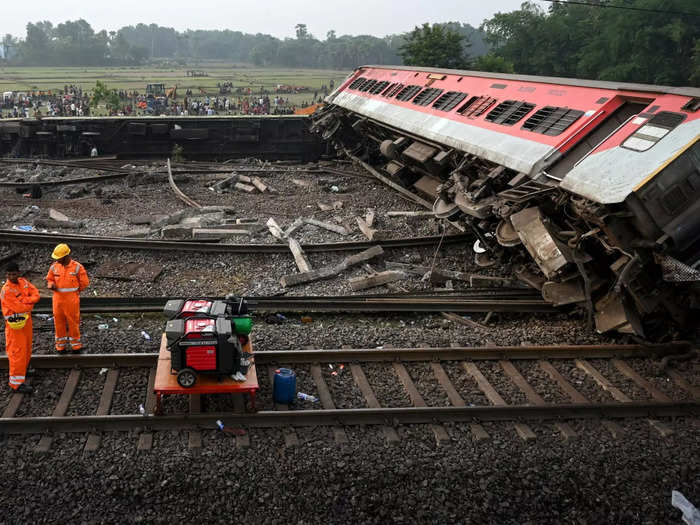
(67, 278)
(18, 297)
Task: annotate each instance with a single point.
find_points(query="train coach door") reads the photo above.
(592, 139)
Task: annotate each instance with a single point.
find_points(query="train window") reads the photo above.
(367, 85)
(408, 92)
(509, 112)
(379, 87)
(692, 105)
(426, 96)
(476, 106)
(449, 100)
(392, 89)
(653, 131)
(551, 120)
(357, 83)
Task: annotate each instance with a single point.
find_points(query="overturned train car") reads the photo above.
(591, 190)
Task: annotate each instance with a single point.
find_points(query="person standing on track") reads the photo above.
(67, 278)
(18, 297)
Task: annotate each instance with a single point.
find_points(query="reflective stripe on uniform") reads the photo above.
(61, 339)
(67, 289)
(77, 269)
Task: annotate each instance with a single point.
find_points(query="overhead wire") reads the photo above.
(625, 7)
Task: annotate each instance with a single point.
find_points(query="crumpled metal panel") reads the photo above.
(549, 254)
(611, 175)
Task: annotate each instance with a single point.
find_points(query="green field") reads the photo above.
(136, 78)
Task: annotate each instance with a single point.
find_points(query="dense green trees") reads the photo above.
(75, 43)
(649, 41)
(434, 46)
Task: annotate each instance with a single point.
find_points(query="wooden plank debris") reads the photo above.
(275, 229)
(377, 279)
(422, 270)
(330, 271)
(244, 187)
(217, 233)
(422, 214)
(327, 226)
(303, 183)
(296, 224)
(299, 256)
(369, 218)
(365, 228)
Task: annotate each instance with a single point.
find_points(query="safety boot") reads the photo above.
(24, 389)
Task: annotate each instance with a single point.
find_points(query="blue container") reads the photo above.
(284, 388)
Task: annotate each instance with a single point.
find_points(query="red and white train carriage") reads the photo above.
(599, 182)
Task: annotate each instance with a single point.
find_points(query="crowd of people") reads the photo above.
(72, 101)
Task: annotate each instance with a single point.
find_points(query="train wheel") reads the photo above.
(186, 378)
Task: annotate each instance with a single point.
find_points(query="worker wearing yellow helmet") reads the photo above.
(18, 297)
(66, 278)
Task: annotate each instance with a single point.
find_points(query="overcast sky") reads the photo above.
(275, 17)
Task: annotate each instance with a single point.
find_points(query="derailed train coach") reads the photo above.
(589, 190)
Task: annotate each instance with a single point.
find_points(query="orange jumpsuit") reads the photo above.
(68, 281)
(18, 298)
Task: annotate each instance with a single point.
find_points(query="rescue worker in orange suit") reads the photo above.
(18, 297)
(67, 278)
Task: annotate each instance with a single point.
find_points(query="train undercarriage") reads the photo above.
(630, 275)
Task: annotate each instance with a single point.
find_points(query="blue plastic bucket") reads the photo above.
(284, 388)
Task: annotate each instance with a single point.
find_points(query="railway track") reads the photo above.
(194, 246)
(448, 368)
(477, 300)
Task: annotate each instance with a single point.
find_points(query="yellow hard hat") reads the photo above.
(17, 321)
(60, 251)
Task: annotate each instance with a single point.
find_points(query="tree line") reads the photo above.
(647, 41)
(75, 43)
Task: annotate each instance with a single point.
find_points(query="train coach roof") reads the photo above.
(599, 84)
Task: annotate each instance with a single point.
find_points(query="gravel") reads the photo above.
(427, 385)
(130, 391)
(592, 479)
(495, 375)
(386, 385)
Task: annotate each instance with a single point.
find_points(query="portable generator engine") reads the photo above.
(208, 337)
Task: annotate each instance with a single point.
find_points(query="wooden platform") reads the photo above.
(166, 381)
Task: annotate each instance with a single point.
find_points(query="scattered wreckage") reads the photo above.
(589, 190)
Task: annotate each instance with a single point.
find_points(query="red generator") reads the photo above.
(207, 337)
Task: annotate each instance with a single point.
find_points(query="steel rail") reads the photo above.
(506, 302)
(428, 354)
(357, 416)
(193, 246)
